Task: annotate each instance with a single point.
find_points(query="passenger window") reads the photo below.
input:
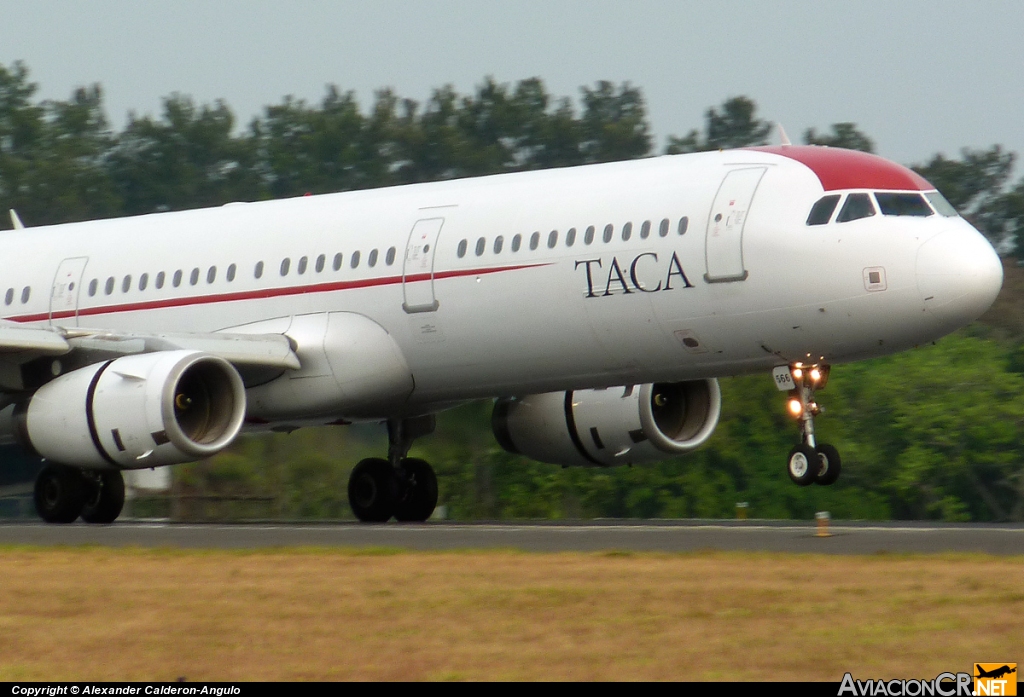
(517, 242)
(821, 211)
(160, 280)
(941, 205)
(355, 260)
(534, 240)
(258, 273)
(588, 236)
(303, 263)
(389, 259)
(93, 285)
(108, 288)
(143, 281)
(286, 264)
(337, 261)
(627, 232)
(480, 244)
(499, 242)
(609, 230)
(24, 294)
(570, 237)
(211, 274)
(463, 245)
(684, 223)
(126, 284)
(176, 281)
(552, 239)
(9, 298)
(194, 276)
(645, 230)
(857, 206)
(320, 261)
(231, 273)
(902, 204)
(372, 259)
(663, 228)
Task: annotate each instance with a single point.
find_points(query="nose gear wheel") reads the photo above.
(809, 462)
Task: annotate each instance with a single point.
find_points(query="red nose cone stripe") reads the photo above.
(849, 169)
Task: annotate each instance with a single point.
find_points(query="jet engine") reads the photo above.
(134, 412)
(607, 427)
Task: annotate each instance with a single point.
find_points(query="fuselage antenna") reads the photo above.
(783, 138)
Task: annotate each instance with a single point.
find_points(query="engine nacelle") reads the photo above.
(607, 427)
(139, 411)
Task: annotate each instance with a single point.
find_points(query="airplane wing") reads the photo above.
(17, 338)
(264, 350)
(20, 344)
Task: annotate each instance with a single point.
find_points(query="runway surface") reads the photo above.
(666, 536)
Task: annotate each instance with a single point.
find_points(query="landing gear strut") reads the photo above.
(63, 493)
(809, 462)
(400, 486)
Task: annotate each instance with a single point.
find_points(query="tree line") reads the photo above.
(61, 161)
(933, 433)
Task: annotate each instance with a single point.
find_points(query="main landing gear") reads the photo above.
(63, 494)
(401, 487)
(809, 462)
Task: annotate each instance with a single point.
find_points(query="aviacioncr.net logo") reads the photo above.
(995, 679)
(943, 685)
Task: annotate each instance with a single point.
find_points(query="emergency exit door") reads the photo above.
(67, 284)
(723, 248)
(418, 270)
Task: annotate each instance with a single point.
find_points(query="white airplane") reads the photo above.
(597, 304)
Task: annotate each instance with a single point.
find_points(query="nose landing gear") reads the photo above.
(809, 462)
(401, 487)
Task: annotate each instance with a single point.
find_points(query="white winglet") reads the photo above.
(783, 138)
(16, 221)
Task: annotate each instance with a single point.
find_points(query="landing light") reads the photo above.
(797, 373)
(815, 374)
(795, 407)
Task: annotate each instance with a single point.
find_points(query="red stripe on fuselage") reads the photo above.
(267, 293)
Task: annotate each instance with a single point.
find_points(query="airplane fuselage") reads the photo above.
(666, 269)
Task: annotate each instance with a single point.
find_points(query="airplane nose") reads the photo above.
(959, 276)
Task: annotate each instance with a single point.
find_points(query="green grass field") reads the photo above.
(106, 614)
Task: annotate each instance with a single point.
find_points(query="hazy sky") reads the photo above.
(917, 76)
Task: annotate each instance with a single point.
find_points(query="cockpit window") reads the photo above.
(941, 205)
(857, 206)
(822, 211)
(902, 204)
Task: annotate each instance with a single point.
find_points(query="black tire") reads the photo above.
(59, 494)
(105, 498)
(419, 491)
(373, 490)
(803, 465)
(831, 464)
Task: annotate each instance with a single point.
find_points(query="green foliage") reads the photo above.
(734, 126)
(843, 135)
(53, 155)
(186, 159)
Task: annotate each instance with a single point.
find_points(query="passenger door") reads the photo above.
(418, 269)
(67, 284)
(723, 248)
